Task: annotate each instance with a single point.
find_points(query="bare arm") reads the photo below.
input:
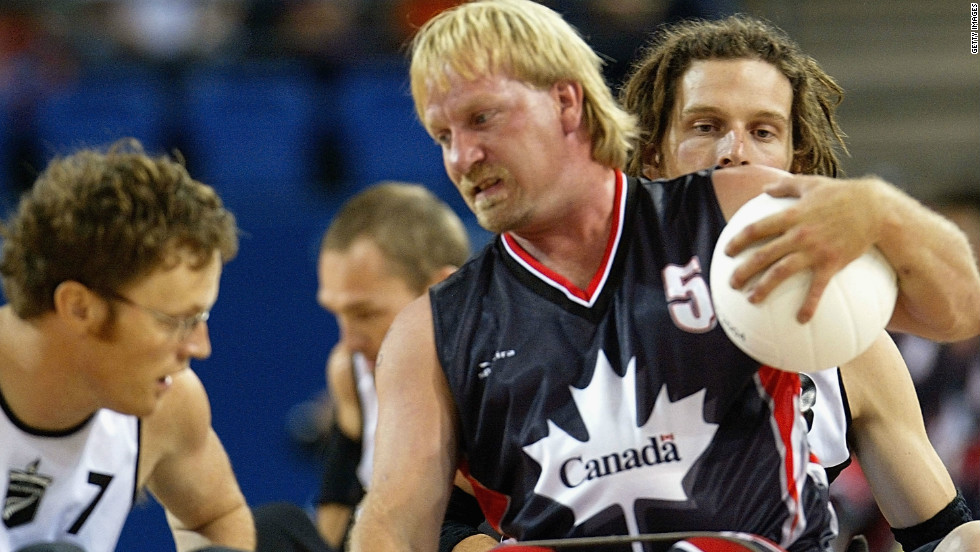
(343, 392)
(333, 518)
(939, 284)
(476, 543)
(415, 444)
(190, 474)
(908, 479)
(838, 220)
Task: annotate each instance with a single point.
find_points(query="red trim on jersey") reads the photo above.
(729, 542)
(494, 504)
(597, 278)
(783, 387)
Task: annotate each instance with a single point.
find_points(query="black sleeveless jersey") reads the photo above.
(623, 408)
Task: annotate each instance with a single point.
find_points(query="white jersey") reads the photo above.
(368, 395)
(75, 486)
(830, 419)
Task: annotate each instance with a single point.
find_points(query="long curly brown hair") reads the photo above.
(650, 90)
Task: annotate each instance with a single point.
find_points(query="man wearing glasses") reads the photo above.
(180, 326)
(110, 266)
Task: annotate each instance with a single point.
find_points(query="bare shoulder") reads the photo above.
(413, 322)
(413, 399)
(409, 345)
(181, 421)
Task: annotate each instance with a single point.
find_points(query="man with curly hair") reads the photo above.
(111, 265)
(739, 91)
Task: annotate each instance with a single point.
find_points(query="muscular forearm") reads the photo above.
(377, 532)
(889, 440)
(923, 491)
(236, 529)
(939, 285)
(385, 523)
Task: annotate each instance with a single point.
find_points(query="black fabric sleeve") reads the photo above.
(340, 484)
(955, 513)
(834, 471)
(463, 517)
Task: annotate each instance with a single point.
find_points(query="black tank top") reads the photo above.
(624, 408)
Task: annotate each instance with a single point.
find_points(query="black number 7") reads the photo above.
(102, 480)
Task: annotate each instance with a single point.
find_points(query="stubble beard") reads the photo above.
(497, 214)
(501, 216)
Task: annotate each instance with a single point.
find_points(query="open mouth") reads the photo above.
(484, 185)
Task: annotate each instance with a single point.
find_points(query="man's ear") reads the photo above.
(79, 306)
(570, 100)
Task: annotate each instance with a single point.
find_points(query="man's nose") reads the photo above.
(731, 150)
(464, 152)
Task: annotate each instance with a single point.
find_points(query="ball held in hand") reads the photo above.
(851, 314)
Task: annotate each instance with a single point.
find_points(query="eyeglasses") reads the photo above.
(180, 326)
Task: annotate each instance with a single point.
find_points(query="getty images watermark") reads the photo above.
(974, 28)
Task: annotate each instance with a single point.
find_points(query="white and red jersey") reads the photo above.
(623, 408)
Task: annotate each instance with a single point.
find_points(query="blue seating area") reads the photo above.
(251, 130)
(381, 132)
(102, 104)
(255, 129)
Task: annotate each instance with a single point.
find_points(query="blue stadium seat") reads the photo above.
(248, 130)
(103, 104)
(383, 137)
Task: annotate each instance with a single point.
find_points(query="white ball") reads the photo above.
(851, 314)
